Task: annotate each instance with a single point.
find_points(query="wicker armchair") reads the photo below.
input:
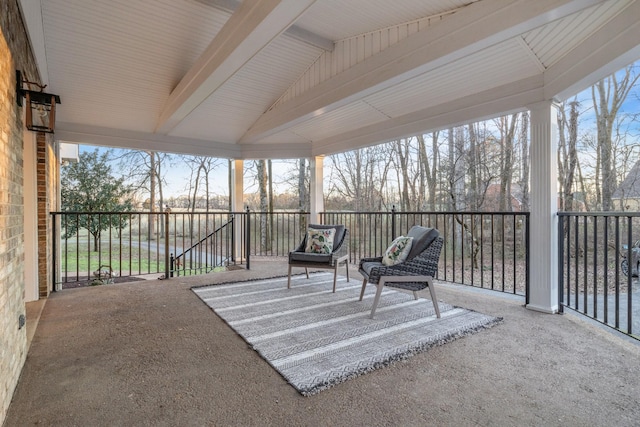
(414, 274)
(339, 255)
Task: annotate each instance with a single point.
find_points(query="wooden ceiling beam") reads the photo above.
(253, 25)
(293, 31)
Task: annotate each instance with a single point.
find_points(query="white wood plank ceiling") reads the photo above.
(299, 78)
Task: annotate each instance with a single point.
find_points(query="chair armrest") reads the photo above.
(339, 247)
(340, 252)
(425, 264)
(370, 259)
(292, 252)
(393, 270)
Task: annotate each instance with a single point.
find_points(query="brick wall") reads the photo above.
(46, 179)
(15, 53)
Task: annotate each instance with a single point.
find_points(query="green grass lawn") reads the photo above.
(124, 261)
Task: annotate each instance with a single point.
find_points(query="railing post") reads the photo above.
(172, 263)
(393, 222)
(54, 249)
(247, 238)
(629, 275)
(560, 266)
(233, 238)
(168, 258)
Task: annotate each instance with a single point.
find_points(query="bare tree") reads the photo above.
(401, 158)
(303, 193)
(263, 182)
(429, 168)
(144, 169)
(456, 168)
(524, 160)
(567, 152)
(474, 161)
(201, 169)
(360, 177)
(608, 96)
(507, 128)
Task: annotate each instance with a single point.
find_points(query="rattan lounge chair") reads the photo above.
(414, 274)
(339, 254)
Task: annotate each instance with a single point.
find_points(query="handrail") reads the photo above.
(217, 230)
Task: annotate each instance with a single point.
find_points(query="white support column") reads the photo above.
(543, 258)
(237, 202)
(316, 193)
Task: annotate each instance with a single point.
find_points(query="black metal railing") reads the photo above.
(86, 245)
(598, 267)
(486, 250)
(274, 234)
(211, 252)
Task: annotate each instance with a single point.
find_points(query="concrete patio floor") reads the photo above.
(151, 353)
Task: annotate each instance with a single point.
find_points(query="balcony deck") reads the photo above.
(151, 353)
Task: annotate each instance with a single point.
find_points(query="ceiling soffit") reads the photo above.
(237, 82)
(512, 60)
(471, 29)
(354, 50)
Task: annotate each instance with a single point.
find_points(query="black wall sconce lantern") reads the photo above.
(41, 106)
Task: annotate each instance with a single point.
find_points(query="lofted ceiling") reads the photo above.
(301, 78)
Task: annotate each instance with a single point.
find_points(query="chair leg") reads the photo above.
(415, 294)
(289, 279)
(364, 285)
(377, 298)
(335, 277)
(432, 291)
(346, 265)
(306, 270)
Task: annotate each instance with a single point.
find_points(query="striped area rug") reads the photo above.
(317, 339)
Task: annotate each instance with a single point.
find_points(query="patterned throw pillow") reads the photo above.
(398, 251)
(320, 241)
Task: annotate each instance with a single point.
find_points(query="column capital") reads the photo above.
(547, 103)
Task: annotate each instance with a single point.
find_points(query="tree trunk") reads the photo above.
(506, 172)
(524, 184)
(158, 174)
(152, 193)
(451, 178)
(264, 204)
(435, 166)
(608, 96)
(583, 187)
(473, 170)
(423, 171)
(271, 216)
(572, 159)
(562, 155)
(604, 142)
(193, 203)
(230, 183)
(402, 151)
(302, 193)
(430, 169)
(207, 171)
